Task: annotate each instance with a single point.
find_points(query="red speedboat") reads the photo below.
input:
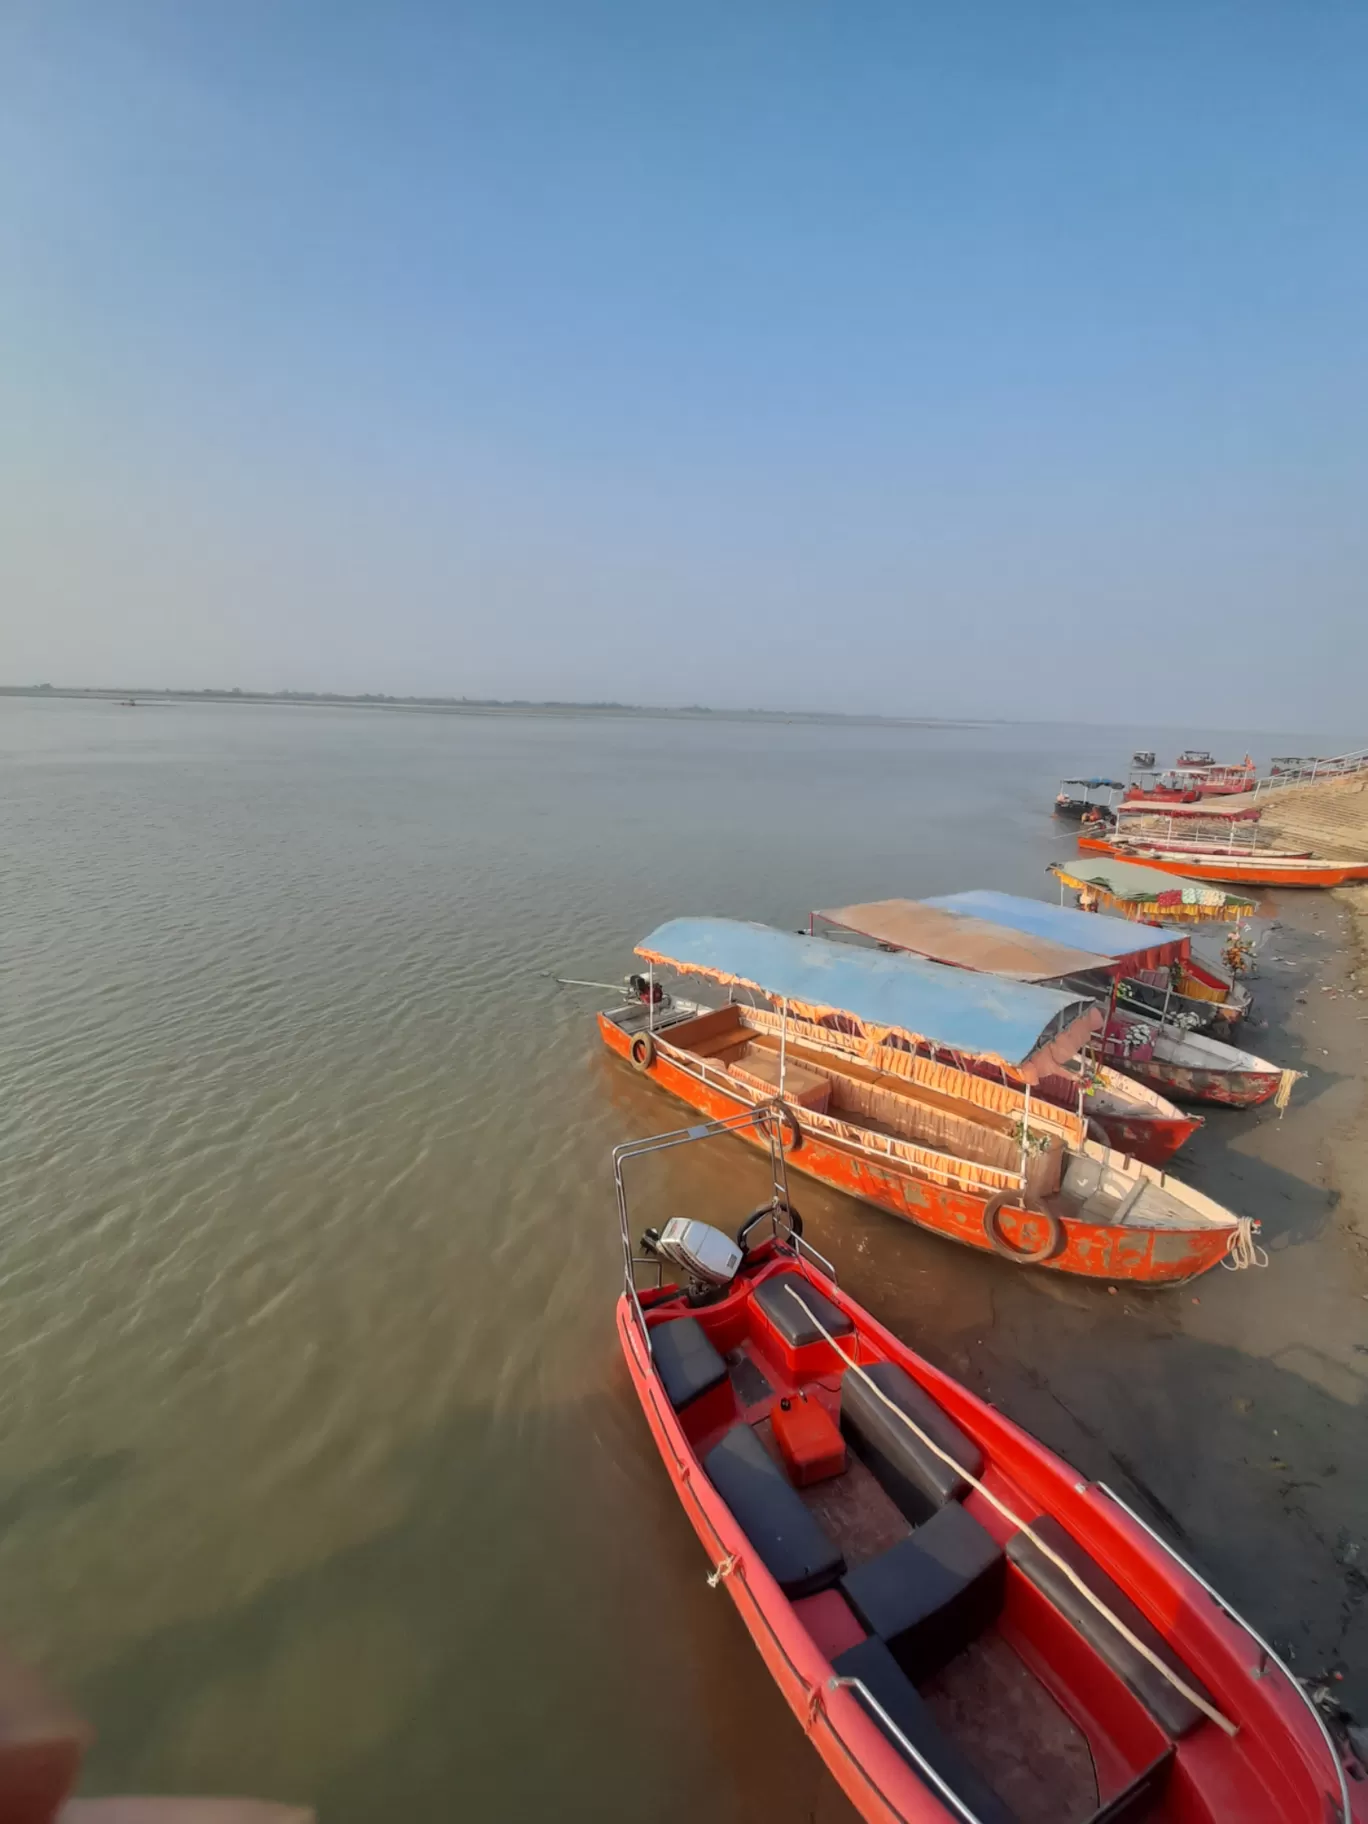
(967, 1631)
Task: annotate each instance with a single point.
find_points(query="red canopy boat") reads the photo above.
(966, 1630)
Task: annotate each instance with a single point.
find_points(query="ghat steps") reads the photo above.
(1328, 816)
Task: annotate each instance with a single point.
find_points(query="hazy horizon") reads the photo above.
(990, 364)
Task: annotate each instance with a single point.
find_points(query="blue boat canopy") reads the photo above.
(1119, 938)
(1096, 785)
(951, 1009)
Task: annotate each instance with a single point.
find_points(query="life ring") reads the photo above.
(790, 1215)
(791, 1137)
(1025, 1257)
(641, 1051)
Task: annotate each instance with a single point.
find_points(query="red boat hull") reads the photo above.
(1094, 1250)
(1276, 1769)
(1225, 1088)
(1153, 1139)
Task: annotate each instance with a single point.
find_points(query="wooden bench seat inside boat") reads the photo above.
(686, 1360)
(1097, 1191)
(772, 1515)
(792, 1316)
(803, 1086)
(930, 1595)
(915, 1477)
(1165, 1703)
(889, 1686)
(895, 1106)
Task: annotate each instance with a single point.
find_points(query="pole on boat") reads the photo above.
(650, 997)
(783, 1044)
(1025, 1134)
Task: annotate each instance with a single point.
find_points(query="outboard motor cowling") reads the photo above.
(707, 1255)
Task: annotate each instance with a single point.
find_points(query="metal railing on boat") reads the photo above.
(769, 1118)
(919, 1760)
(1268, 1652)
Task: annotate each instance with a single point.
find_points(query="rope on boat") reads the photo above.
(1146, 1652)
(1243, 1250)
(725, 1569)
(1286, 1079)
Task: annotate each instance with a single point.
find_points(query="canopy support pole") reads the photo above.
(783, 1045)
(650, 997)
(1025, 1134)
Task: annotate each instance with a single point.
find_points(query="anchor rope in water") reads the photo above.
(1147, 1652)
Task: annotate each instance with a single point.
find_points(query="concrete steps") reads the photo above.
(1329, 817)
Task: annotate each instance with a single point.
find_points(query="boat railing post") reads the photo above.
(1025, 1134)
(783, 1045)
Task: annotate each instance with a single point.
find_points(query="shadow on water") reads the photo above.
(51, 1492)
(444, 1667)
(447, 1667)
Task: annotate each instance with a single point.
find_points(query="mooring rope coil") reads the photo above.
(1243, 1250)
(1146, 1652)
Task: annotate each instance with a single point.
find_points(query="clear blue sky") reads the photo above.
(920, 359)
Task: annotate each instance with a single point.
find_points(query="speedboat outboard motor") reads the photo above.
(709, 1257)
(647, 991)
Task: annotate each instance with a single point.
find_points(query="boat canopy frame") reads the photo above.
(901, 999)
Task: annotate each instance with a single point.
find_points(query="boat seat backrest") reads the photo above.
(915, 1477)
(1167, 1705)
(1139, 1798)
(931, 1594)
(889, 1686)
(685, 1360)
(770, 1512)
(793, 1320)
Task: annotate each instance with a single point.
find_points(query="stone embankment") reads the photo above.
(1329, 817)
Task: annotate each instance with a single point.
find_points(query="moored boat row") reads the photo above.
(1200, 820)
(966, 1630)
(966, 1064)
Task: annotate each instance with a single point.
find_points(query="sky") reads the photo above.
(984, 359)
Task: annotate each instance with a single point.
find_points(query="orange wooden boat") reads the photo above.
(980, 1162)
(1234, 867)
(967, 1630)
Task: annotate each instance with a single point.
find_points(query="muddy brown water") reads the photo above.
(319, 1474)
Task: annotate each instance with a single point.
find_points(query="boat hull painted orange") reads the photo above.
(1234, 870)
(1094, 1250)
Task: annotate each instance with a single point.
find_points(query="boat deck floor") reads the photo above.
(986, 1700)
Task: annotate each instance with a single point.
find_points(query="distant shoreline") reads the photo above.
(477, 706)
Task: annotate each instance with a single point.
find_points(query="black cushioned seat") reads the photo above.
(685, 1360)
(1169, 1708)
(875, 1667)
(795, 1326)
(770, 1511)
(914, 1476)
(932, 1593)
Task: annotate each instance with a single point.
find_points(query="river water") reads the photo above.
(319, 1473)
